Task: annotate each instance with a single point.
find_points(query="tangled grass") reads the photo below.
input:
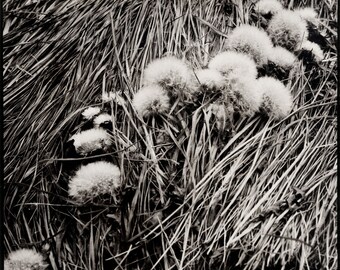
(191, 200)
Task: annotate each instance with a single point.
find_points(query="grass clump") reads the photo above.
(201, 186)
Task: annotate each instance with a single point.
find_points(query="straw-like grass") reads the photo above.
(193, 198)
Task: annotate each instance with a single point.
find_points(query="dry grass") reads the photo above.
(191, 199)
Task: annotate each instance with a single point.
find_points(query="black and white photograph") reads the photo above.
(169, 135)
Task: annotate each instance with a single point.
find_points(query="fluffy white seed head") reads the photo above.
(265, 7)
(245, 95)
(25, 259)
(209, 79)
(314, 49)
(282, 57)
(232, 63)
(252, 41)
(91, 140)
(151, 100)
(308, 14)
(287, 29)
(170, 73)
(95, 179)
(277, 99)
(90, 112)
(101, 119)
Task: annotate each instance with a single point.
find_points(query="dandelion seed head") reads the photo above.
(245, 94)
(210, 79)
(25, 259)
(102, 119)
(277, 100)
(314, 49)
(151, 100)
(91, 140)
(282, 57)
(308, 14)
(95, 179)
(170, 73)
(252, 41)
(232, 64)
(287, 29)
(265, 7)
(90, 112)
